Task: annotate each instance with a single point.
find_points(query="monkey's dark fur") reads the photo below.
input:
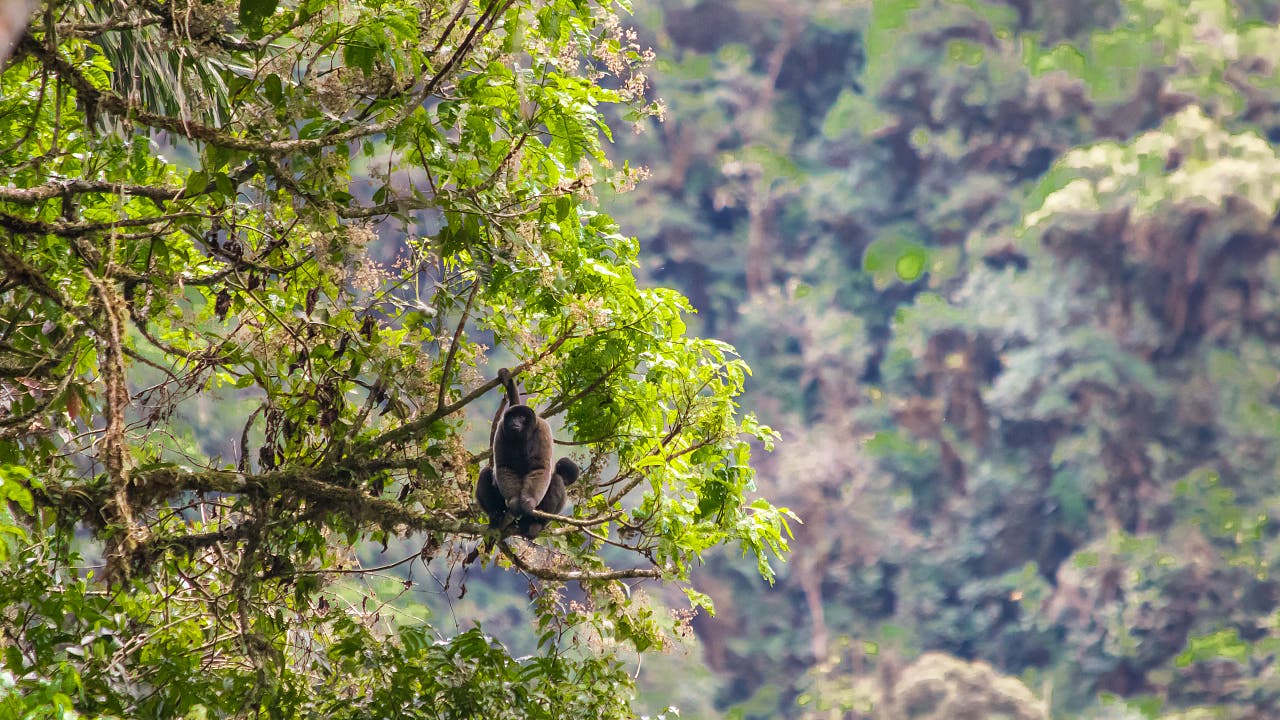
(521, 453)
(566, 473)
(490, 498)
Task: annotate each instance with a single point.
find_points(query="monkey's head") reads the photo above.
(567, 470)
(519, 419)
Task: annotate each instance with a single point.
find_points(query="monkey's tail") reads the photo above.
(509, 382)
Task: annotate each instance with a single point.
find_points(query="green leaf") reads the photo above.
(197, 181)
(273, 89)
(254, 14)
(910, 263)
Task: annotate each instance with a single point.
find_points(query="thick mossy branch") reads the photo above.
(318, 486)
(325, 490)
(51, 190)
(62, 228)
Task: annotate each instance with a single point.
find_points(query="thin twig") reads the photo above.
(453, 345)
(543, 573)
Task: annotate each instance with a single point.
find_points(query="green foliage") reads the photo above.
(894, 258)
(1195, 45)
(256, 258)
(1222, 644)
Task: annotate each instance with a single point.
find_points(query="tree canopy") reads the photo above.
(260, 262)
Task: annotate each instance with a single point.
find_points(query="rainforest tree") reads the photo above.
(254, 260)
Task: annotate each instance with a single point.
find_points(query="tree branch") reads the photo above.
(74, 230)
(50, 190)
(317, 485)
(583, 523)
(545, 573)
(453, 346)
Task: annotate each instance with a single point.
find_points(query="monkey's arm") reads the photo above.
(552, 502)
(510, 486)
(532, 489)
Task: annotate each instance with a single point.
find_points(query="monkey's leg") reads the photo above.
(490, 498)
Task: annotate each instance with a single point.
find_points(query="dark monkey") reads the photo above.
(490, 498)
(521, 453)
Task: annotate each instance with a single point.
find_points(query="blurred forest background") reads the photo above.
(1007, 275)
